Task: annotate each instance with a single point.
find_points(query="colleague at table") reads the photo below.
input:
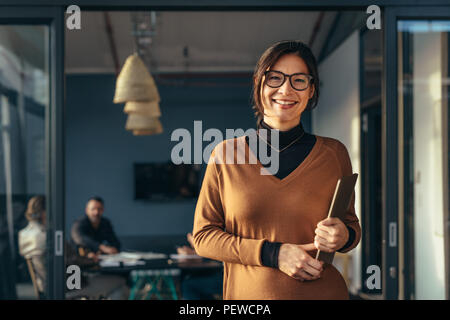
(205, 286)
(93, 232)
(32, 246)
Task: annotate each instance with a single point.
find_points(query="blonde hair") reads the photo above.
(35, 208)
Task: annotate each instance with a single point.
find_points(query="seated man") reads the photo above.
(94, 233)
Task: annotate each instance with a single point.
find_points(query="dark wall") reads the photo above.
(100, 153)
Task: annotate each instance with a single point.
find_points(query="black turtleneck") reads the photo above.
(291, 157)
(295, 145)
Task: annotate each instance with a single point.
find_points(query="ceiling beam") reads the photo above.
(112, 43)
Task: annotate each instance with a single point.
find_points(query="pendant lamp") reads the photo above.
(147, 108)
(135, 83)
(136, 87)
(142, 124)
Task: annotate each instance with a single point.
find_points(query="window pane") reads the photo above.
(423, 47)
(24, 99)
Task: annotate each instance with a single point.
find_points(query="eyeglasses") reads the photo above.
(298, 81)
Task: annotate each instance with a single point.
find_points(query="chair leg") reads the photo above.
(153, 287)
(136, 285)
(173, 290)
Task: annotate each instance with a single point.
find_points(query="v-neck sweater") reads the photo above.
(294, 144)
(241, 205)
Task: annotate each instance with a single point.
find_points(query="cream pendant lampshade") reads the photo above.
(147, 108)
(135, 83)
(142, 124)
(136, 87)
(145, 132)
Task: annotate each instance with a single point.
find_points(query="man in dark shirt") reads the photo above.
(93, 232)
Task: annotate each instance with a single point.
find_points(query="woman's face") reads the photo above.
(276, 113)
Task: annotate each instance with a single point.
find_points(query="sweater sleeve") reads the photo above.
(350, 220)
(211, 238)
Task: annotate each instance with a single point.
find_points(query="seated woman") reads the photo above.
(32, 239)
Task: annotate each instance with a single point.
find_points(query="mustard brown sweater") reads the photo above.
(295, 144)
(239, 209)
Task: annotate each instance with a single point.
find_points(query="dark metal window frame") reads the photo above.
(52, 13)
(371, 109)
(54, 128)
(408, 187)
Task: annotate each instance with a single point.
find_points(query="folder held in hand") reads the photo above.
(339, 206)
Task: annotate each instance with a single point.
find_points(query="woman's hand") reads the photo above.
(297, 263)
(331, 235)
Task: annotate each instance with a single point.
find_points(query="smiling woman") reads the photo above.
(273, 95)
(267, 228)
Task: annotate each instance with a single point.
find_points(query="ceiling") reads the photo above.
(215, 41)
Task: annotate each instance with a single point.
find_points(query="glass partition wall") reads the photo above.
(423, 105)
(31, 152)
(24, 101)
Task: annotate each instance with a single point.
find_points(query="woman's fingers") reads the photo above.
(303, 275)
(323, 231)
(307, 276)
(308, 247)
(331, 229)
(316, 264)
(330, 236)
(297, 263)
(311, 266)
(329, 222)
(326, 231)
(322, 244)
(312, 270)
(324, 248)
(325, 237)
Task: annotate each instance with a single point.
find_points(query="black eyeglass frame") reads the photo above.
(310, 79)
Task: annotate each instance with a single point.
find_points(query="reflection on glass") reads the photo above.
(423, 73)
(24, 98)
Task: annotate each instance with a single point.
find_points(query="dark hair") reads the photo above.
(96, 198)
(35, 208)
(270, 57)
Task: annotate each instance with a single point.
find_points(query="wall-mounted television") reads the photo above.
(166, 181)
